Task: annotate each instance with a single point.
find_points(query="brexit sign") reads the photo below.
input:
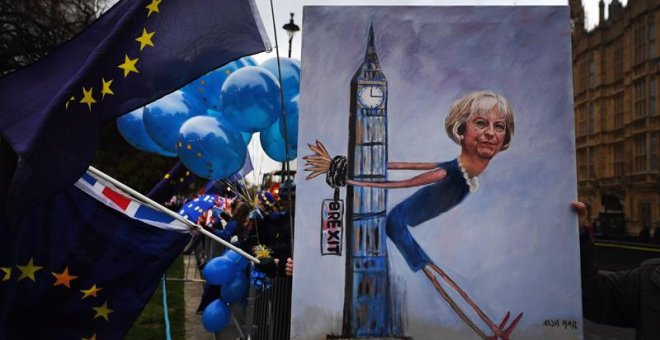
(332, 217)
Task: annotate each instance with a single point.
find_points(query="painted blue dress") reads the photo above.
(426, 203)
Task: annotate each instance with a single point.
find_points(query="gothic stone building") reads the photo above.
(617, 121)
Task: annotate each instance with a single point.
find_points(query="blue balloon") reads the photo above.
(211, 148)
(247, 136)
(216, 316)
(272, 139)
(237, 258)
(131, 127)
(292, 114)
(250, 97)
(219, 270)
(290, 75)
(164, 117)
(213, 113)
(236, 289)
(206, 88)
(248, 61)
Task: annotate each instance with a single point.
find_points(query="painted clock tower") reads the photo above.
(366, 305)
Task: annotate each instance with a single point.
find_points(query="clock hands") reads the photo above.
(376, 92)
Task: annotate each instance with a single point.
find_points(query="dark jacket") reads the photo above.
(230, 230)
(273, 231)
(626, 298)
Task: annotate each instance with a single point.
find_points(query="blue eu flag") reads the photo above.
(135, 53)
(83, 266)
(172, 183)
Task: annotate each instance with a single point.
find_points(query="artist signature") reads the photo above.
(567, 324)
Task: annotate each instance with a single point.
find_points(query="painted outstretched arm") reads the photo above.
(411, 166)
(321, 163)
(419, 180)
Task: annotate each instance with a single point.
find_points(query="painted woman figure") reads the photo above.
(482, 124)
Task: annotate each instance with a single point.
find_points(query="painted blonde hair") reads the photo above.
(478, 103)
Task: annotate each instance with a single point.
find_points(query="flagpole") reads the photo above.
(172, 214)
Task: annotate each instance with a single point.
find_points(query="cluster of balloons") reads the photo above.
(209, 122)
(228, 271)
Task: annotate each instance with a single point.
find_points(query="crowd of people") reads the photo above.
(261, 227)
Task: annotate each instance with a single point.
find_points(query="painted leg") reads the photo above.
(499, 331)
(455, 307)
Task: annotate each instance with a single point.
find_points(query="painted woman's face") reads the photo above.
(484, 134)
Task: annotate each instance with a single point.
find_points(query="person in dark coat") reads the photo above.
(629, 298)
(272, 231)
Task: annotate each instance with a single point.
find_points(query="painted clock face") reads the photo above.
(371, 96)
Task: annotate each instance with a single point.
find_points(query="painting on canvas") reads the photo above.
(439, 153)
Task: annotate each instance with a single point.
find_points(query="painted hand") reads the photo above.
(319, 162)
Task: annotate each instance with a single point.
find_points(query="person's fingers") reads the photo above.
(289, 267)
(579, 207)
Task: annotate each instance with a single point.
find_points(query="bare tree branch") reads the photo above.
(30, 29)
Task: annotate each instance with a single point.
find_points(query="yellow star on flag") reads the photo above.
(189, 147)
(93, 337)
(102, 311)
(7, 272)
(28, 270)
(88, 97)
(129, 65)
(105, 87)
(153, 7)
(145, 39)
(227, 71)
(92, 291)
(64, 278)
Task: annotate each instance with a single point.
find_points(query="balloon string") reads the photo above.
(286, 169)
(240, 191)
